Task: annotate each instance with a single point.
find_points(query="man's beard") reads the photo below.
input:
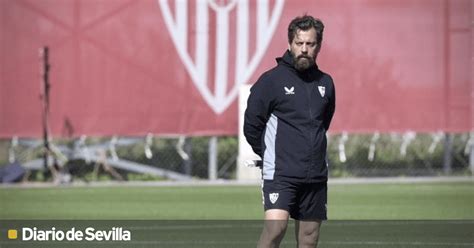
(303, 62)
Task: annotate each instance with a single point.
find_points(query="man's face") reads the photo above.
(304, 49)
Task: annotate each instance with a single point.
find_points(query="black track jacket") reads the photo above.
(287, 116)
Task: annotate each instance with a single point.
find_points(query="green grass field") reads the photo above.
(361, 215)
(418, 201)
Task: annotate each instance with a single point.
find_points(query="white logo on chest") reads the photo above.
(290, 91)
(322, 90)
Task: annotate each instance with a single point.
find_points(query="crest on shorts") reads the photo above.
(322, 90)
(223, 32)
(274, 197)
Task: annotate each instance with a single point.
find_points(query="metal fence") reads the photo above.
(183, 158)
(408, 154)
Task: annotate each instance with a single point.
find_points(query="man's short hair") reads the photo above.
(305, 23)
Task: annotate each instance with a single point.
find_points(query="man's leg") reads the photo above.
(307, 233)
(276, 221)
(312, 211)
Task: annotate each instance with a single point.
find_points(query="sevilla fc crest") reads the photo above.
(322, 90)
(220, 43)
(273, 197)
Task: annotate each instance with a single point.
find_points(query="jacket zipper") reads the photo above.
(311, 160)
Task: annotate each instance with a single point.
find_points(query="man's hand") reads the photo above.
(254, 163)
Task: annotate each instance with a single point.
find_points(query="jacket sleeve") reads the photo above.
(257, 114)
(331, 108)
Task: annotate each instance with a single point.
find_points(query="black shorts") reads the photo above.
(304, 201)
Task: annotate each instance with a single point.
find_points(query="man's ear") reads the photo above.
(289, 47)
(318, 49)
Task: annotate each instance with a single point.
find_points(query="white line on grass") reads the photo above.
(332, 181)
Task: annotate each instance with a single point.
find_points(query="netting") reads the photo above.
(185, 158)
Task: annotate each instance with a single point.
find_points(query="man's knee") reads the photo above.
(276, 221)
(308, 234)
(275, 224)
(308, 239)
(273, 233)
(275, 227)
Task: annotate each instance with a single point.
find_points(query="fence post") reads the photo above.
(188, 163)
(212, 166)
(44, 96)
(471, 158)
(448, 153)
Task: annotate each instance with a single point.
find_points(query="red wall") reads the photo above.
(397, 65)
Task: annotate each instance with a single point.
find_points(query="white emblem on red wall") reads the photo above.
(224, 89)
